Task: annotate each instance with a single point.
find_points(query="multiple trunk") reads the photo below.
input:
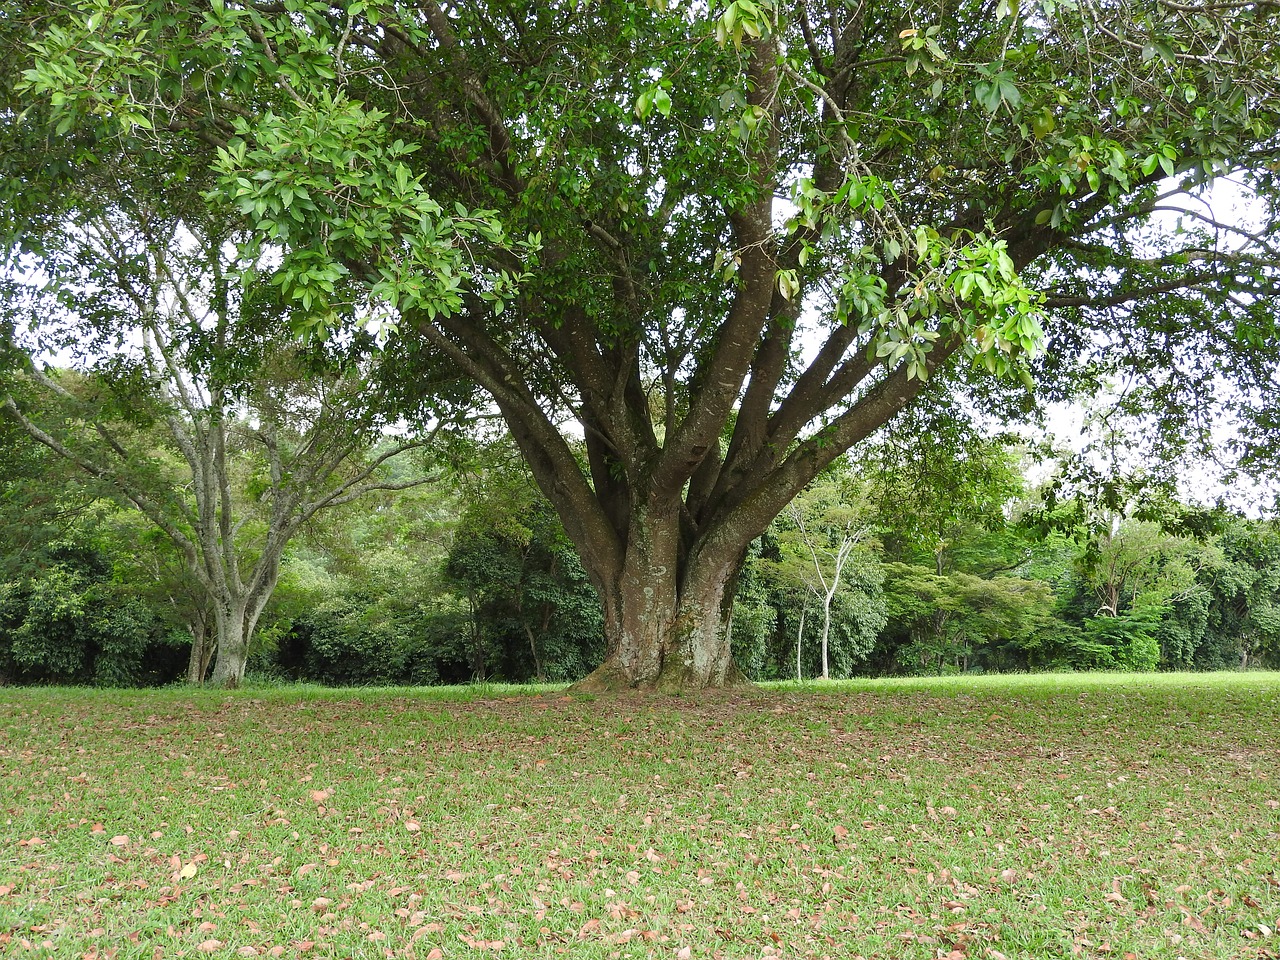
(668, 622)
(306, 430)
(236, 619)
(690, 455)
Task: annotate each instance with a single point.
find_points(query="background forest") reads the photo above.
(927, 552)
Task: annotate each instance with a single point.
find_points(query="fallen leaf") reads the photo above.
(209, 946)
(120, 841)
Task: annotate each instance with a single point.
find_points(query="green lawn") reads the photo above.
(1064, 816)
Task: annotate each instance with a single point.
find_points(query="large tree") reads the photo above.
(716, 244)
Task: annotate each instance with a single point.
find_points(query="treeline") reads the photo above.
(927, 553)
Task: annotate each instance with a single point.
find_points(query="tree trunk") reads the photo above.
(233, 649)
(826, 634)
(539, 674)
(235, 620)
(800, 644)
(201, 652)
(667, 622)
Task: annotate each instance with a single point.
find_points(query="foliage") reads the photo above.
(534, 613)
(944, 623)
(574, 203)
(942, 489)
(67, 626)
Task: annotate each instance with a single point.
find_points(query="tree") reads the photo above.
(1242, 623)
(578, 205)
(226, 436)
(827, 522)
(943, 623)
(533, 610)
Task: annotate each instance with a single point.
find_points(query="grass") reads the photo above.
(1064, 816)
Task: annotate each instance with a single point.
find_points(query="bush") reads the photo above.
(63, 627)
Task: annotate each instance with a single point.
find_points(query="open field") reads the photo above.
(1082, 816)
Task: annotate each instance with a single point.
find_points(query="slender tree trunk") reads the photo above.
(826, 633)
(800, 643)
(538, 673)
(476, 659)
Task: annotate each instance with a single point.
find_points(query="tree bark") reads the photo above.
(233, 646)
(235, 619)
(668, 613)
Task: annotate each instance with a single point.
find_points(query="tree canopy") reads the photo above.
(714, 245)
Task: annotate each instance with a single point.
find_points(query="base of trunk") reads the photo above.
(610, 679)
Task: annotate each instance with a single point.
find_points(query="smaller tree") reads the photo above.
(531, 604)
(191, 402)
(823, 535)
(948, 623)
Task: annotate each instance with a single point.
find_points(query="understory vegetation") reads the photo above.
(1052, 817)
(921, 556)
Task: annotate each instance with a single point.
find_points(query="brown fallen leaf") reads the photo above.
(209, 946)
(120, 841)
